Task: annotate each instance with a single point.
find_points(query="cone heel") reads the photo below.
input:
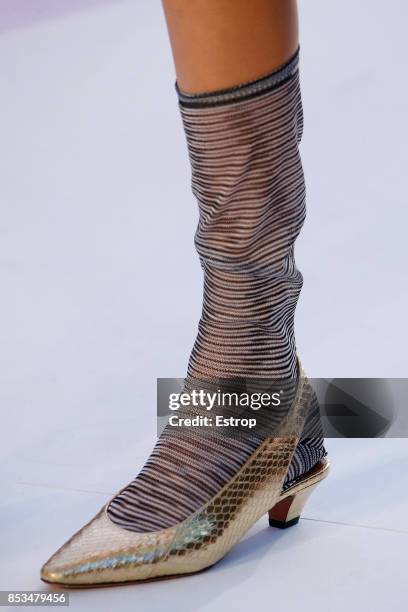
(286, 512)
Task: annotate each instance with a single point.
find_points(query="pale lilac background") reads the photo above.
(16, 13)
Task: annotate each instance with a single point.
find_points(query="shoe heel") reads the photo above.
(286, 513)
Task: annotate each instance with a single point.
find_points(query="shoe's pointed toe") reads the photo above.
(103, 553)
(50, 575)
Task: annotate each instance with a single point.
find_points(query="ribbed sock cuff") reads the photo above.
(243, 91)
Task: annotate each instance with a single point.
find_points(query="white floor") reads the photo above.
(347, 553)
(101, 291)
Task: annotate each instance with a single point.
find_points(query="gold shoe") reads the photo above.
(103, 553)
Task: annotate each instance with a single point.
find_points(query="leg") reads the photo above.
(197, 494)
(221, 43)
(248, 179)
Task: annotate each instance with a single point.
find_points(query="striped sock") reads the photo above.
(247, 177)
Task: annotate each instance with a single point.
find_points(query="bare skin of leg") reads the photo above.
(221, 43)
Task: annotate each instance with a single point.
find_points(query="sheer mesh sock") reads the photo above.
(247, 177)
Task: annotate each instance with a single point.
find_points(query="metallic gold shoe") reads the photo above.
(103, 553)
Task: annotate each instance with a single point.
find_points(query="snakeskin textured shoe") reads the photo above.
(103, 553)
